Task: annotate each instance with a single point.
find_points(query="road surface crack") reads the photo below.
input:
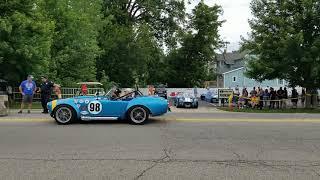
(164, 159)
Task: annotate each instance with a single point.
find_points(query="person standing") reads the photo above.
(195, 91)
(261, 92)
(285, 97)
(45, 90)
(303, 97)
(27, 89)
(245, 95)
(294, 98)
(266, 96)
(279, 98)
(253, 93)
(273, 96)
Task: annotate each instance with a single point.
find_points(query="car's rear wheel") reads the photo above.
(64, 114)
(138, 115)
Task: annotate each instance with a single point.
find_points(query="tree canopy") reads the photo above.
(130, 42)
(286, 41)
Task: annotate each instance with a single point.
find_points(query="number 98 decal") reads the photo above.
(94, 107)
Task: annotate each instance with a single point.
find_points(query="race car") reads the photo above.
(132, 106)
(186, 100)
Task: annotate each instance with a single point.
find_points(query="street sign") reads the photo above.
(224, 94)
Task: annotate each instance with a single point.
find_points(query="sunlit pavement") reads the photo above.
(180, 145)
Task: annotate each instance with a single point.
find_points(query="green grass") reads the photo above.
(250, 110)
(16, 105)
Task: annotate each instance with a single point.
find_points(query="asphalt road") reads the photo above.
(182, 145)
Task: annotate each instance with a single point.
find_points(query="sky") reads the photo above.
(236, 13)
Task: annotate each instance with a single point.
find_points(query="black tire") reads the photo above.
(196, 106)
(133, 115)
(69, 112)
(177, 104)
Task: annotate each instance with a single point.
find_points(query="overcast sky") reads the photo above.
(236, 13)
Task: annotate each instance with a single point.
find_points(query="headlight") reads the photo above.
(181, 99)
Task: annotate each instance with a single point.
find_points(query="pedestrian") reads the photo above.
(253, 92)
(279, 98)
(265, 97)
(261, 92)
(57, 91)
(27, 89)
(285, 98)
(294, 98)
(45, 90)
(245, 95)
(195, 91)
(273, 97)
(303, 96)
(84, 90)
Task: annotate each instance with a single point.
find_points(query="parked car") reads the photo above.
(132, 106)
(212, 97)
(161, 91)
(187, 100)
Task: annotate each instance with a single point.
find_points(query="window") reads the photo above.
(280, 81)
(234, 79)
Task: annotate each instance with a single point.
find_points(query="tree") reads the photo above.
(132, 36)
(286, 41)
(189, 63)
(25, 39)
(75, 46)
(163, 16)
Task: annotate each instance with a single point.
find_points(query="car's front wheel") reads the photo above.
(64, 114)
(138, 115)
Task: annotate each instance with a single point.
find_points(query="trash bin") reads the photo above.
(4, 105)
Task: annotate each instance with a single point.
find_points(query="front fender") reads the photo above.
(70, 102)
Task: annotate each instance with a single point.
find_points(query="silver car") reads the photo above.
(186, 100)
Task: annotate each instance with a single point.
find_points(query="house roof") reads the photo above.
(233, 70)
(230, 57)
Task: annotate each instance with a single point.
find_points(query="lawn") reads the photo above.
(250, 110)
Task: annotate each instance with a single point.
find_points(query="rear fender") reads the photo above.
(154, 105)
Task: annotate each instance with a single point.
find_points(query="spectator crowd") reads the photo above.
(266, 98)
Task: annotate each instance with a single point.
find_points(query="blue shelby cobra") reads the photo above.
(132, 106)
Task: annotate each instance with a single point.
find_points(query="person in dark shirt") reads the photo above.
(285, 98)
(280, 97)
(294, 98)
(45, 90)
(273, 96)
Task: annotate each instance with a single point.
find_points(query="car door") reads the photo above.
(112, 108)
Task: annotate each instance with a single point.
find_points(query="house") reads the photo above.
(228, 62)
(236, 77)
(231, 72)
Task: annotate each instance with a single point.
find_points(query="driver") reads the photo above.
(116, 93)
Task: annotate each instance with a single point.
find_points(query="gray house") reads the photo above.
(231, 72)
(228, 62)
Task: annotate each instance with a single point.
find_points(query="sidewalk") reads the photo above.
(198, 110)
(35, 115)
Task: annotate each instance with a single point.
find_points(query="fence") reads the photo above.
(66, 93)
(71, 92)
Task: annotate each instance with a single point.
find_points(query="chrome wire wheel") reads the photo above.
(63, 115)
(138, 115)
